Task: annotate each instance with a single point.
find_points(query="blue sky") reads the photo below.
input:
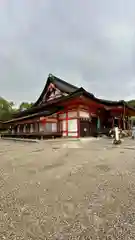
(90, 43)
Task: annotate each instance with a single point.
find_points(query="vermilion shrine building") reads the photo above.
(68, 111)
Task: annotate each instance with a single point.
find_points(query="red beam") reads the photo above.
(67, 122)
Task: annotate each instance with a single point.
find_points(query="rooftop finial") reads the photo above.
(50, 75)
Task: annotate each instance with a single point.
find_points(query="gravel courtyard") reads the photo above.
(52, 192)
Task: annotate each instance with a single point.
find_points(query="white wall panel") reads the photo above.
(31, 128)
(18, 128)
(72, 125)
(72, 134)
(84, 114)
(72, 114)
(48, 127)
(41, 127)
(62, 115)
(24, 129)
(54, 127)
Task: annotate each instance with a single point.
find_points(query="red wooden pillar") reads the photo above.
(78, 123)
(67, 123)
(43, 121)
(58, 123)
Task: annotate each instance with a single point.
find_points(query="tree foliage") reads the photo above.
(25, 105)
(131, 103)
(7, 109)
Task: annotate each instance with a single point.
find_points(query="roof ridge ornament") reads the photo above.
(50, 75)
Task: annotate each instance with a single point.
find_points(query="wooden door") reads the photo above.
(84, 128)
(93, 126)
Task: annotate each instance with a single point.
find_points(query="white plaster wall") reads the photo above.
(72, 114)
(41, 127)
(54, 127)
(84, 114)
(72, 125)
(62, 115)
(24, 129)
(31, 128)
(48, 127)
(18, 129)
(70, 134)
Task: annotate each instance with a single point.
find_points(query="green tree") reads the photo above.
(25, 105)
(131, 102)
(6, 109)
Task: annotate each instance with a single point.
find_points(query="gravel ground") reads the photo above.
(82, 193)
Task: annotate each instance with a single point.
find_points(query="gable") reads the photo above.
(52, 92)
(54, 88)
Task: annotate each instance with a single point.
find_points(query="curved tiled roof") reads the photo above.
(72, 91)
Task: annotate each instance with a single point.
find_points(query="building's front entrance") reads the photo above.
(88, 128)
(84, 128)
(93, 126)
